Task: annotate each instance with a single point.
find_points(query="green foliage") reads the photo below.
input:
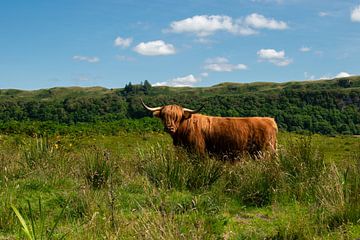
(327, 107)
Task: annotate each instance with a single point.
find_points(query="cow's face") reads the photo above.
(171, 116)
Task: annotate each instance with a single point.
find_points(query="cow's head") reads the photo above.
(171, 115)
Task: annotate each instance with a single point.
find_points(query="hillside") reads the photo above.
(323, 106)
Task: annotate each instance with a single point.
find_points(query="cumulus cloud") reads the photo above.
(86, 59)
(277, 58)
(221, 64)
(186, 81)
(259, 21)
(305, 49)
(342, 74)
(205, 25)
(155, 48)
(355, 14)
(122, 42)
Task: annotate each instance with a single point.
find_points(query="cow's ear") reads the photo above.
(187, 115)
(156, 114)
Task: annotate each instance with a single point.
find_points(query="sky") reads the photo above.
(109, 43)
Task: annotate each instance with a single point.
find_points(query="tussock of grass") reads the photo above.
(169, 169)
(97, 167)
(254, 182)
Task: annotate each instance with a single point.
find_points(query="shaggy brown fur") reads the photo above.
(224, 136)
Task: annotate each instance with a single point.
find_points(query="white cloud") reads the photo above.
(155, 48)
(271, 54)
(355, 14)
(259, 21)
(206, 25)
(221, 64)
(158, 84)
(187, 81)
(339, 75)
(86, 59)
(277, 58)
(324, 14)
(343, 74)
(202, 25)
(305, 49)
(122, 42)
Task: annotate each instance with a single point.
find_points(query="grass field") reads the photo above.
(135, 186)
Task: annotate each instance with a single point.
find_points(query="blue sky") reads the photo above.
(109, 43)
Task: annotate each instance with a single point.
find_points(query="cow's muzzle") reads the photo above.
(170, 130)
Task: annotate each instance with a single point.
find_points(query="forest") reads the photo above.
(324, 106)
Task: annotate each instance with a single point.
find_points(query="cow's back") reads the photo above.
(228, 135)
(231, 135)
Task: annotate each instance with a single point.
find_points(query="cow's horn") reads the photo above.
(193, 111)
(150, 108)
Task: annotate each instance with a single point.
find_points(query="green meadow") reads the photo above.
(137, 186)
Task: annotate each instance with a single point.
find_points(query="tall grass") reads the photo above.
(37, 152)
(254, 182)
(160, 192)
(169, 169)
(338, 194)
(303, 166)
(97, 169)
(38, 229)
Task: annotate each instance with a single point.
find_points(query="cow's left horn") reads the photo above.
(193, 111)
(150, 108)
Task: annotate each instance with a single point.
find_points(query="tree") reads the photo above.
(146, 87)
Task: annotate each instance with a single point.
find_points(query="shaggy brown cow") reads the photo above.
(224, 136)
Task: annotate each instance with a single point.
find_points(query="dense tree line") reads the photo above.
(327, 108)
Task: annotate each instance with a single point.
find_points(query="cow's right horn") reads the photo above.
(193, 111)
(150, 108)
